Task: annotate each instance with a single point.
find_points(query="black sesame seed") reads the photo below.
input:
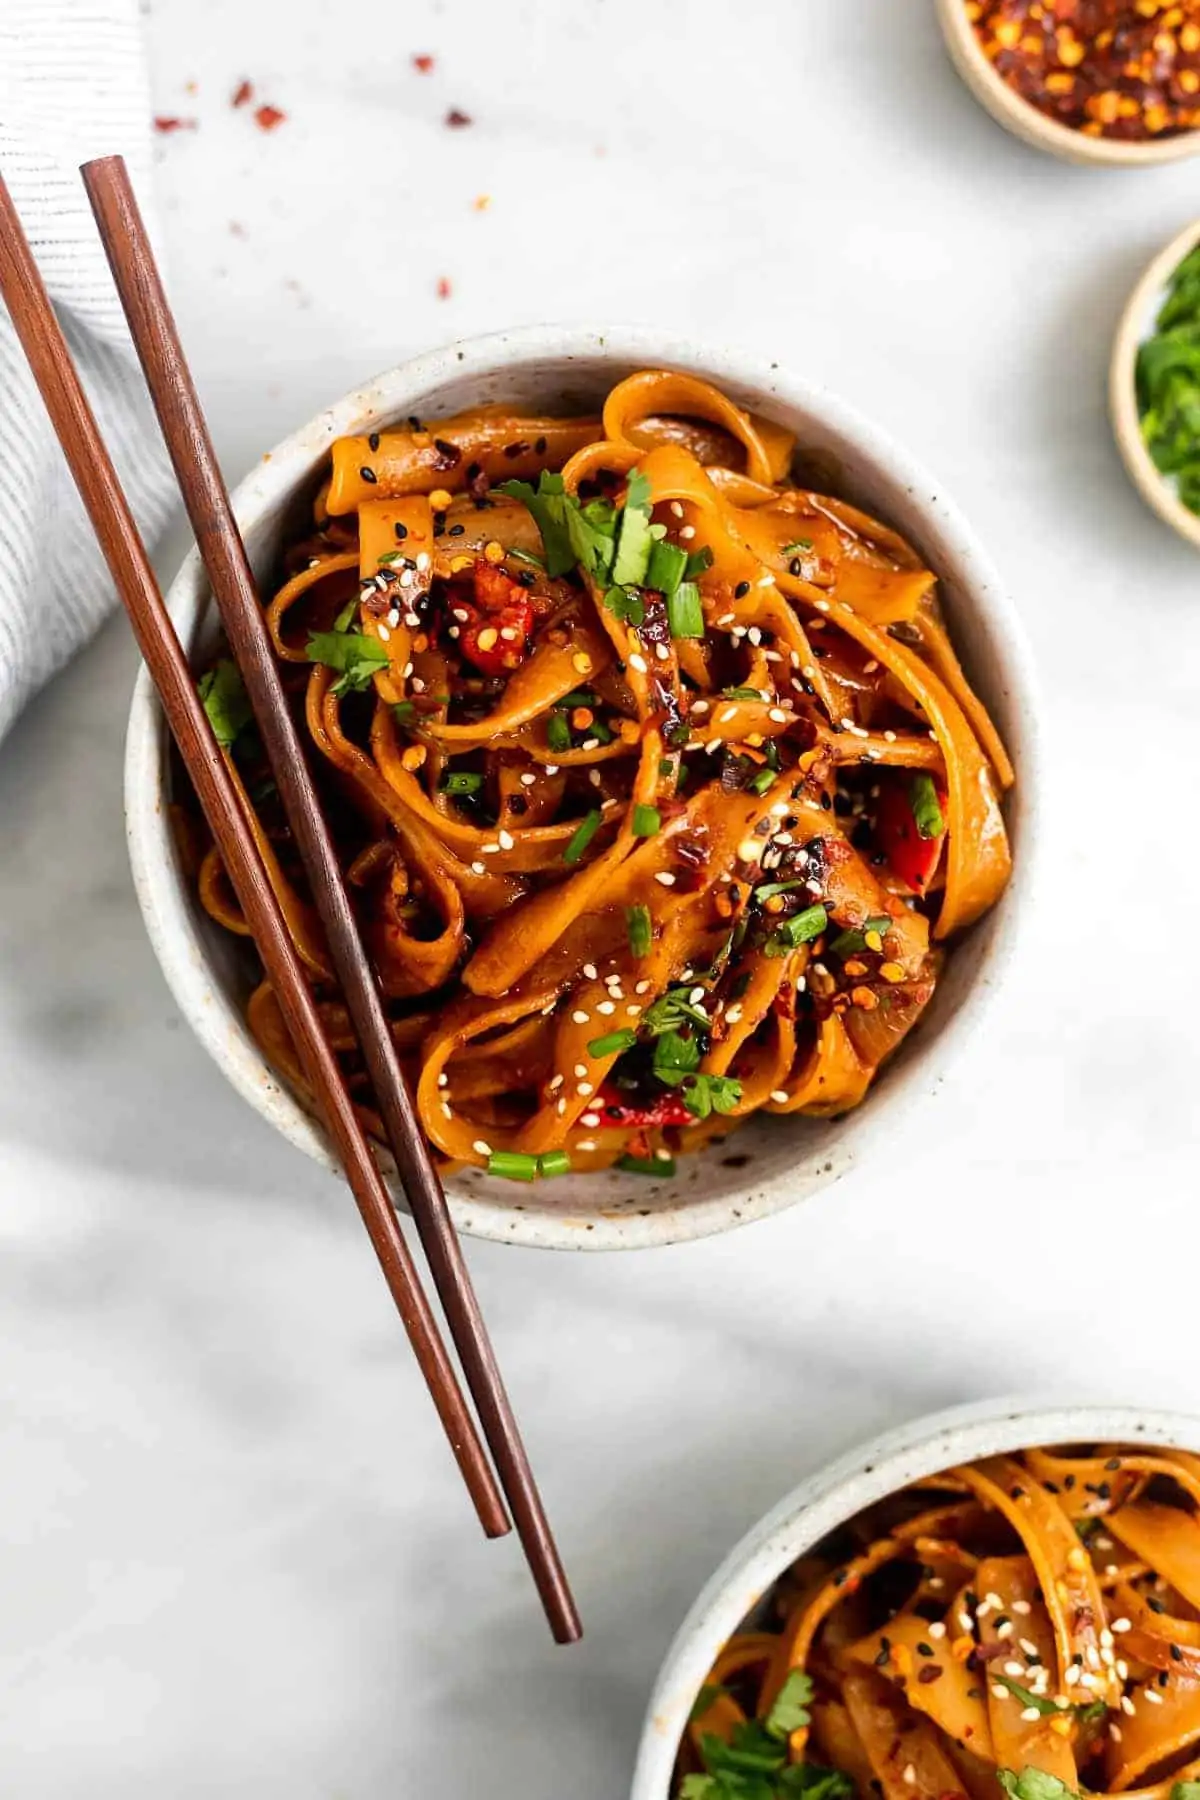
(456, 530)
(401, 531)
(741, 590)
(368, 475)
(1156, 1606)
(1176, 1653)
(795, 567)
(540, 445)
(414, 421)
(373, 440)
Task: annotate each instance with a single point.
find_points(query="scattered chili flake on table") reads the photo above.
(167, 124)
(423, 64)
(456, 119)
(268, 117)
(444, 289)
(1107, 68)
(243, 93)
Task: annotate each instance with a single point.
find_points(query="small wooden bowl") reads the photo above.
(1136, 321)
(1025, 121)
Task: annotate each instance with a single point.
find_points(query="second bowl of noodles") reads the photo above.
(677, 739)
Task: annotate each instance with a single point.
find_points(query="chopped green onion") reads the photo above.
(554, 1162)
(513, 1165)
(697, 562)
(647, 821)
(640, 929)
(763, 780)
(583, 836)
(646, 1165)
(577, 697)
(342, 622)
(742, 693)
(804, 927)
(927, 810)
(797, 544)
(684, 615)
(666, 768)
(848, 943)
(558, 732)
(465, 783)
(776, 887)
(665, 569)
(403, 711)
(612, 1043)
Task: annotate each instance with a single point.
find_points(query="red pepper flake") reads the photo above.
(167, 124)
(243, 93)
(444, 289)
(1127, 69)
(456, 119)
(268, 117)
(423, 65)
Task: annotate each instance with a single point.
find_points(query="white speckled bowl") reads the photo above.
(1137, 323)
(830, 1498)
(571, 367)
(1033, 127)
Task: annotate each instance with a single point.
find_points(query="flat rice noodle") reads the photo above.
(535, 688)
(901, 1746)
(1156, 1732)
(1064, 1572)
(653, 392)
(1164, 1537)
(409, 461)
(1164, 1789)
(1088, 1473)
(874, 1035)
(931, 1679)
(1017, 1742)
(839, 1746)
(293, 590)
(936, 644)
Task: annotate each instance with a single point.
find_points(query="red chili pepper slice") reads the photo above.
(499, 624)
(667, 1110)
(911, 858)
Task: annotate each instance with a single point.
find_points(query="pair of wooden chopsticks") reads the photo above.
(207, 502)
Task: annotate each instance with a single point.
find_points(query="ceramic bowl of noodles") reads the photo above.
(679, 744)
(1000, 1598)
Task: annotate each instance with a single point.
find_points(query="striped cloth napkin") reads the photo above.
(72, 86)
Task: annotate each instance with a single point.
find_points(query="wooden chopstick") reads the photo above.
(50, 360)
(223, 552)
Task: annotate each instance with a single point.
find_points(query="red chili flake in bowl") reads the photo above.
(1125, 69)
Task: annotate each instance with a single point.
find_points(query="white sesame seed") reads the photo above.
(561, 1108)
(780, 1095)
(606, 1007)
(1121, 1625)
(506, 839)
(633, 1010)
(481, 1147)
(552, 768)
(638, 662)
(676, 509)
(1153, 1696)
(910, 1775)
(937, 1630)
(641, 987)
(594, 777)
(699, 706)
(446, 1112)
(777, 716)
(407, 670)
(662, 653)
(1127, 1705)
(590, 744)
(580, 1069)
(733, 1015)
(585, 1088)
(662, 1155)
(1031, 1650)
(393, 617)
(1022, 1607)
(687, 532)
(1030, 1714)
(418, 685)
(590, 1119)
(1014, 1668)
(586, 1144)
(528, 779)
(664, 877)
(579, 1018)
(460, 613)
(1001, 1693)
(1114, 1732)
(750, 849)
(1005, 1630)
(478, 868)
(555, 1084)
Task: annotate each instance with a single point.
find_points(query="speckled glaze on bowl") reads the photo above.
(830, 1498)
(1137, 324)
(1036, 128)
(570, 368)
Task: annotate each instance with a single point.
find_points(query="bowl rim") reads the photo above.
(165, 907)
(1154, 488)
(832, 1495)
(1024, 120)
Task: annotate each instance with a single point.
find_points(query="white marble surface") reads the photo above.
(233, 1556)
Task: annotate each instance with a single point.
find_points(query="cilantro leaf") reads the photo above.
(705, 1094)
(1034, 1784)
(712, 1690)
(357, 657)
(790, 1710)
(1186, 1790)
(809, 1781)
(670, 1010)
(675, 1058)
(625, 604)
(547, 504)
(225, 701)
(634, 542)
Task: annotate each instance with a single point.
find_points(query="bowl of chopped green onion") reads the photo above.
(1154, 385)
